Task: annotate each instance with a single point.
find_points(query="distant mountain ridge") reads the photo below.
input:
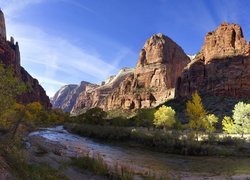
(66, 97)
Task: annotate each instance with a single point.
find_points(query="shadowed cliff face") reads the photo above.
(221, 68)
(10, 57)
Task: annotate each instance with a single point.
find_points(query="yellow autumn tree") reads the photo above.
(164, 117)
(199, 120)
(209, 123)
(196, 113)
(228, 125)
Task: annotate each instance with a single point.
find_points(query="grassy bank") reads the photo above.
(175, 142)
(13, 154)
(98, 167)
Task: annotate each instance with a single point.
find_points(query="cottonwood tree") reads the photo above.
(240, 121)
(241, 116)
(164, 117)
(199, 119)
(209, 123)
(228, 125)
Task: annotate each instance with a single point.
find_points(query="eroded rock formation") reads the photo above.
(160, 63)
(152, 82)
(221, 68)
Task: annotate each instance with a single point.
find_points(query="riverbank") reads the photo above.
(140, 161)
(174, 142)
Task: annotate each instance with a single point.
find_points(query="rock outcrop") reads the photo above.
(10, 57)
(221, 68)
(65, 98)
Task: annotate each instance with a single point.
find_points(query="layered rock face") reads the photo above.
(160, 63)
(221, 68)
(95, 96)
(152, 82)
(10, 57)
(66, 97)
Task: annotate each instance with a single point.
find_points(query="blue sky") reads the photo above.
(67, 41)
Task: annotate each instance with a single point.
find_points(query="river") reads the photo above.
(140, 161)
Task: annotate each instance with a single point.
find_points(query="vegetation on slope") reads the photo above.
(16, 120)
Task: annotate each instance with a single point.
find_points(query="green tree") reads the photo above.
(95, 116)
(145, 117)
(240, 121)
(241, 116)
(165, 117)
(196, 114)
(228, 125)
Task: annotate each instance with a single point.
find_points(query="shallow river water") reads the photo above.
(141, 161)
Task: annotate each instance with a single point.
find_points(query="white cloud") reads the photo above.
(12, 7)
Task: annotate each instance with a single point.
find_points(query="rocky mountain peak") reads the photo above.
(2, 25)
(159, 49)
(226, 41)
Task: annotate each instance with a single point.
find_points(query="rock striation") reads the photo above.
(65, 98)
(221, 68)
(10, 57)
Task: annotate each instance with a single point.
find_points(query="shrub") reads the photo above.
(145, 117)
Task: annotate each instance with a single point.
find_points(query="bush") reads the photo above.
(95, 116)
(145, 117)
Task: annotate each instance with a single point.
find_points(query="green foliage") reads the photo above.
(164, 117)
(95, 116)
(240, 122)
(120, 122)
(145, 117)
(10, 88)
(241, 116)
(228, 125)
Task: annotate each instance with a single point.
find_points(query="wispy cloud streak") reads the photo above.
(53, 60)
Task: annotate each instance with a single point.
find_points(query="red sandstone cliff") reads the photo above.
(160, 63)
(152, 82)
(221, 68)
